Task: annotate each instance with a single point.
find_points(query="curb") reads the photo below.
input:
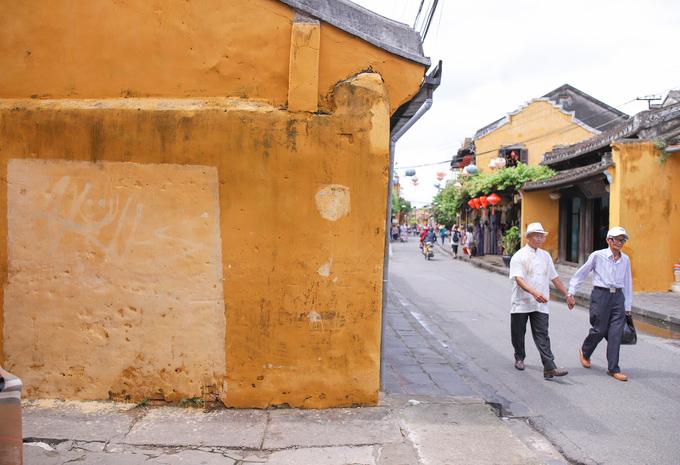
(660, 320)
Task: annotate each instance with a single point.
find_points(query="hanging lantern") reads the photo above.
(494, 199)
(500, 162)
(492, 164)
(410, 172)
(440, 175)
(471, 204)
(471, 169)
(477, 203)
(464, 173)
(483, 201)
(414, 180)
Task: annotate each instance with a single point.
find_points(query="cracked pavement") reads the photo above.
(401, 431)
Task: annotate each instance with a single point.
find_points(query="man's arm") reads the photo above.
(540, 298)
(581, 274)
(560, 287)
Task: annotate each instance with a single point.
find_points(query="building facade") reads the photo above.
(622, 177)
(195, 198)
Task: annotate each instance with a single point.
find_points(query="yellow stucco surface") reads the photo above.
(118, 262)
(540, 125)
(645, 199)
(303, 71)
(301, 230)
(213, 48)
(537, 206)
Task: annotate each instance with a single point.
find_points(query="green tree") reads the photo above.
(448, 201)
(400, 206)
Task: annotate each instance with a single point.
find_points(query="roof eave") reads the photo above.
(392, 36)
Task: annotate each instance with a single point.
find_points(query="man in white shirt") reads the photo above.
(532, 270)
(611, 299)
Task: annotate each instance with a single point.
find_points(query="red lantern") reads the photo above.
(478, 204)
(494, 199)
(483, 201)
(471, 204)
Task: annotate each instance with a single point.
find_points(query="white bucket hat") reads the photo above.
(535, 228)
(617, 231)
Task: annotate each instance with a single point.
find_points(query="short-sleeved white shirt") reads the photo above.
(537, 269)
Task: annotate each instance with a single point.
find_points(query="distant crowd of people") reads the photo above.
(461, 240)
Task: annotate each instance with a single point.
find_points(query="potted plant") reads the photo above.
(510, 242)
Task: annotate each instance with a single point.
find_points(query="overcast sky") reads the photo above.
(499, 54)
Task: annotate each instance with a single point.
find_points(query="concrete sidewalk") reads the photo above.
(661, 309)
(401, 431)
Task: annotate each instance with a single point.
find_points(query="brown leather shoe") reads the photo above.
(584, 361)
(618, 375)
(519, 364)
(547, 374)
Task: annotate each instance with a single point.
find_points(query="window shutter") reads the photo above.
(524, 156)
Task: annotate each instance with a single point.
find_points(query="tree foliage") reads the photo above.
(449, 200)
(400, 206)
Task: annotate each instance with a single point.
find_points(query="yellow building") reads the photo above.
(563, 116)
(195, 197)
(626, 176)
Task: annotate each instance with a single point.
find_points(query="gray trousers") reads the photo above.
(607, 319)
(539, 330)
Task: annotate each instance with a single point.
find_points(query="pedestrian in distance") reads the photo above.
(442, 233)
(455, 240)
(469, 241)
(531, 271)
(610, 300)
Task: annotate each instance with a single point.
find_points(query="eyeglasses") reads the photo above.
(619, 240)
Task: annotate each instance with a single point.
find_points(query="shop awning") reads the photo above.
(571, 176)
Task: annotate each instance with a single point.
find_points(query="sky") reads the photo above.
(499, 54)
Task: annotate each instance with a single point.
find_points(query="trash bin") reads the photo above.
(11, 439)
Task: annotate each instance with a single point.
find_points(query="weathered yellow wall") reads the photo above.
(301, 215)
(134, 103)
(213, 48)
(643, 202)
(538, 207)
(540, 126)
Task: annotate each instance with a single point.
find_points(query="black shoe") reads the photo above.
(547, 374)
(519, 364)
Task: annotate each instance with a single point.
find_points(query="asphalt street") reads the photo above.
(462, 328)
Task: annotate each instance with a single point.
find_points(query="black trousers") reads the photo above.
(607, 319)
(539, 330)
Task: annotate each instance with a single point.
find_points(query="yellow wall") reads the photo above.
(645, 200)
(262, 283)
(540, 126)
(134, 48)
(538, 207)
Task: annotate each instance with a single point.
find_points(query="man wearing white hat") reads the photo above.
(611, 299)
(532, 270)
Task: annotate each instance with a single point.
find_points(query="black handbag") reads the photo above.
(629, 333)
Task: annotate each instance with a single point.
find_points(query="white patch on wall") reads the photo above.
(115, 273)
(333, 201)
(325, 269)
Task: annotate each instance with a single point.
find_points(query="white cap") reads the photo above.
(535, 228)
(617, 231)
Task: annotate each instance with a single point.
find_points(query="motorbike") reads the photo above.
(428, 250)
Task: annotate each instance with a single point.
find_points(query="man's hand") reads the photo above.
(540, 298)
(571, 301)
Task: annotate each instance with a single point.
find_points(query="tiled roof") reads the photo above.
(647, 125)
(389, 35)
(586, 111)
(570, 176)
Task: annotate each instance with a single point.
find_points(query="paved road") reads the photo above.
(461, 313)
